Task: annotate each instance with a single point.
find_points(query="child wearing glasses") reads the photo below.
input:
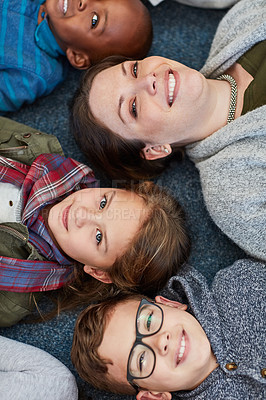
(203, 344)
(59, 229)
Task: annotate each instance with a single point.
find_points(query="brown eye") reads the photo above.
(135, 69)
(134, 109)
(94, 21)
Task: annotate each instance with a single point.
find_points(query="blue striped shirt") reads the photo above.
(31, 62)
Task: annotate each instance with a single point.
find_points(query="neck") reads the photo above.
(220, 97)
(213, 113)
(220, 105)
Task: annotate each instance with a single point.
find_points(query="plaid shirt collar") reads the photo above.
(50, 178)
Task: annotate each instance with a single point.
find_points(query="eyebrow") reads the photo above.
(121, 99)
(104, 24)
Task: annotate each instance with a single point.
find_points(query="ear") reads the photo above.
(170, 303)
(99, 274)
(78, 59)
(145, 395)
(156, 152)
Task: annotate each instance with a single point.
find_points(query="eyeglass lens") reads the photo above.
(142, 360)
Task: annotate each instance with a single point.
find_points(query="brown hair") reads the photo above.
(158, 250)
(116, 156)
(88, 335)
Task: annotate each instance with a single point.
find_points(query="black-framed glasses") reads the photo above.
(142, 359)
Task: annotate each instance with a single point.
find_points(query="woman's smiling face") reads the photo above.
(156, 99)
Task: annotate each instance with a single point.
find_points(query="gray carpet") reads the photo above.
(184, 34)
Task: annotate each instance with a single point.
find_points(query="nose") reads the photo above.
(147, 83)
(160, 342)
(83, 215)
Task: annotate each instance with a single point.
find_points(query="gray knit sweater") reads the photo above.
(29, 373)
(233, 315)
(232, 161)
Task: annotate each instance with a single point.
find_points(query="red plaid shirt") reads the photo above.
(49, 179)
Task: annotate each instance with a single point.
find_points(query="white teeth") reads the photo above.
(182, 348)
(171, 87)
(65, 6)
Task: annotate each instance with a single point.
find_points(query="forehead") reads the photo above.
(119, 336)
(124, 16)
(104, 96)
(125, 27)
(109, 90)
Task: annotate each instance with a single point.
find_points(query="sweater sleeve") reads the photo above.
(19, 87)
(27, 372)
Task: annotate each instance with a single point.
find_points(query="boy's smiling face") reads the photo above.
(182, 350)
(95, 29)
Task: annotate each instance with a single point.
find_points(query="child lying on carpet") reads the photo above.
(58, 229)
(40, 38)
(207, 344)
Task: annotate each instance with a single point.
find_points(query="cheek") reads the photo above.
(154, 121)
(79, 249)
(201, 350)
(69, 33)
(154, 111)
(161, 379)
(78, 242)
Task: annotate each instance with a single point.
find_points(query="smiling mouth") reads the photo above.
(65, 4)
(171, 88)
(65, 217)
(181, 349)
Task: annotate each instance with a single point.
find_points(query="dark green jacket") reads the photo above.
(23, 144)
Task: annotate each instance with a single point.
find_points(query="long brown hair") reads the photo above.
(157, 252)
(107, 151)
